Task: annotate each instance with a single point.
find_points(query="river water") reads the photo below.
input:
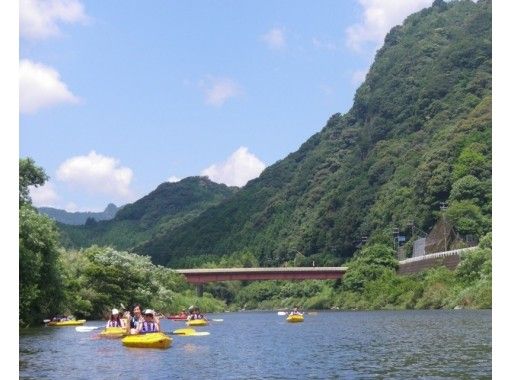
(428, 344)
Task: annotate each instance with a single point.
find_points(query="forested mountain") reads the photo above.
(78, 217)
(165, 208)
(418, 134)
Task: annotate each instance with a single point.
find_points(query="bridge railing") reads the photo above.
(437, 255)
(259, 270)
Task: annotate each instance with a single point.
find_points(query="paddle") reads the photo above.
(46, 320)
(282, 313)
(85, 328)
(217, 320)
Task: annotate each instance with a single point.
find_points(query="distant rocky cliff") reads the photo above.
(77, 218)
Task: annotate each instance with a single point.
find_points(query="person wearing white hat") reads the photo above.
(115, 320)
(150, 322)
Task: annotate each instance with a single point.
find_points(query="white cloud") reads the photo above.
(238, 169)
(39, 19)
(97, 174)
(275, 38)
(358, 76)
(173, 179)
(218, 90)
(44, 195)
(379, 16)
(71, 207)
(40, 86)
(323, 44)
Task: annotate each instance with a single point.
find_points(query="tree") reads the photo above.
(467, 218)
(472, 162)
(469, 188)
(29, 175)
(40, 284)
(371, 263)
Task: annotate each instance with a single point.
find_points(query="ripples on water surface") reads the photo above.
(432, 344)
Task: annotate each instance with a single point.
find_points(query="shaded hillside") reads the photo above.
(419, 133)
(170, 205)
(78, 217)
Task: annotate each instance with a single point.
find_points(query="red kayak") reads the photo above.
(178, 317)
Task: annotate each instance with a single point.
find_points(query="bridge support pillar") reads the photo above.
(200, 290)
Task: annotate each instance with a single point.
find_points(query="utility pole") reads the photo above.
(395, 238)
(443, 206)
(411, 224)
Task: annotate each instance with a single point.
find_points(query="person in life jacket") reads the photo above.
(295, 311)
(149, 323)
(115, 320)
(193, 315)
(183, 314)
(196, 314)
(135, 318)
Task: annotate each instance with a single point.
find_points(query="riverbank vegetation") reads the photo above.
(99, 278)
(372, 282)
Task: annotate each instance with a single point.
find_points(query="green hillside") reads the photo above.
(167, 207)
(418, 133)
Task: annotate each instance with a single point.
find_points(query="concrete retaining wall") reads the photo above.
(449, 259)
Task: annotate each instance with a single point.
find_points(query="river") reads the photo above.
(425, 344)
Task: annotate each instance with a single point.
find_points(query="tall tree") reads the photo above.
(40, 284)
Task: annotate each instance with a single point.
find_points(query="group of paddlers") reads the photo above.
(137, 323)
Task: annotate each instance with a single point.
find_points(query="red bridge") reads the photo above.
(450, 259)
(202, 276)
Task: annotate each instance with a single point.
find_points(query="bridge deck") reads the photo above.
(201, 276)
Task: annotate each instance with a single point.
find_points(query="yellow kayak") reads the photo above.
(197, 322)
(149, 340)
(189, 332)
(113, 332)
(68, 323)
(295, 318)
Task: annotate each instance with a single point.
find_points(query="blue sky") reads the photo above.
(118, 97)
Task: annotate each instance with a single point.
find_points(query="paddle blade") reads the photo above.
(282, 313)
(218, 320)
(85, 328)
